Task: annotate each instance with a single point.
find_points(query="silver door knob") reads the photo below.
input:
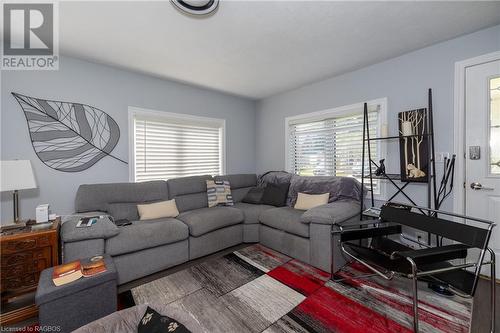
(478, 186)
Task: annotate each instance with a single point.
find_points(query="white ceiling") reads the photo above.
(257, 49)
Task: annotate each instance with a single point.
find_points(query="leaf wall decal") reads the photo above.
(69, 137)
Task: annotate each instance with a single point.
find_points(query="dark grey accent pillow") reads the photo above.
(275, 194)
(254, 196)
(123, 210)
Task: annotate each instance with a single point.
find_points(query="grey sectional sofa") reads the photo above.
(145, 247)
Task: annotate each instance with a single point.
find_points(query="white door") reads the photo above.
(482, 147)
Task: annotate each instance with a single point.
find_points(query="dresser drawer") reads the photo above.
(20, 282)
(19, 245)
(26, 257)
(37, 265)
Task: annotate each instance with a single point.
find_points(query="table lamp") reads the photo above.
(16, 175)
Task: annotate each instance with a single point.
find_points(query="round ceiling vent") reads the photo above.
(196, 7)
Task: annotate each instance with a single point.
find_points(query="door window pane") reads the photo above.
(495, 126)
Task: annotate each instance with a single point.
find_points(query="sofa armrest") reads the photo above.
(82, 249)
(331, 213)
(104, 228)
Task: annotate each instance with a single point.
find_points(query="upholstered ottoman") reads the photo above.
(77, 303)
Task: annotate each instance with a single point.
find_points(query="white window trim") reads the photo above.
(337, 112)
(179, 117)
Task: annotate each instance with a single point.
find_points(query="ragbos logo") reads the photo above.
(30, 38)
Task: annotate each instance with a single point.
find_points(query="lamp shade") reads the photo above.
(16, 175)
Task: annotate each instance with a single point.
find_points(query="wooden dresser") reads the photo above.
(24, 254)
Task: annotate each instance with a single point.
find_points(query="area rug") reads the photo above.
(256, 289)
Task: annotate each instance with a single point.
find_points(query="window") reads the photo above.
(329, 143)
(494, 149)
(167, 145)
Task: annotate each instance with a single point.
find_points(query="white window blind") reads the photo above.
(331, 146)
(168, 148)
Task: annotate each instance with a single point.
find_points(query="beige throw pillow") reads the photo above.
(158, 210)
(308, 201)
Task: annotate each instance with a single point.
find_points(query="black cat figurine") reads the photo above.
(381, 169)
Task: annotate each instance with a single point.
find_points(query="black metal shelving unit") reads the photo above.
(394, 178)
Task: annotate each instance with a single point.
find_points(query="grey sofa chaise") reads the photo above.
(146, 247)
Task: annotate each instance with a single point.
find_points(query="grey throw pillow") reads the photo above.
(123, 210)
(254, 196)
(275, 194)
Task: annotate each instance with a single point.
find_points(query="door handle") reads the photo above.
(478, 186)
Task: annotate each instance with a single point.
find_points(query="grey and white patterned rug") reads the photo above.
(256, 289)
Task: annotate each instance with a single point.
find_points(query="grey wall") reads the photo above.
(111, 90)
(403, 80)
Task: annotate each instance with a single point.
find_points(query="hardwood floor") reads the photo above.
(481, 308)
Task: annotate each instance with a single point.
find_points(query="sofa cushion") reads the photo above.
(191, 201)
(204, 220)
(286, 219)
(251, 211)
(240, 193)
(239, 180)
(97, 196)
(332, 213)
(240, 184)
(146, 234)
(187, 185)
(123, 210)
(189, 192)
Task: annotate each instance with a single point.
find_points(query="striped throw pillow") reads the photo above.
(219, 193)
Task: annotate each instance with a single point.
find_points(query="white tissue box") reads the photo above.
(42, 213)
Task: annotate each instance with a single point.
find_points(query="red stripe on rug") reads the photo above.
(388, 288)
(300, 277)
(340, 314)
(430, 318)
